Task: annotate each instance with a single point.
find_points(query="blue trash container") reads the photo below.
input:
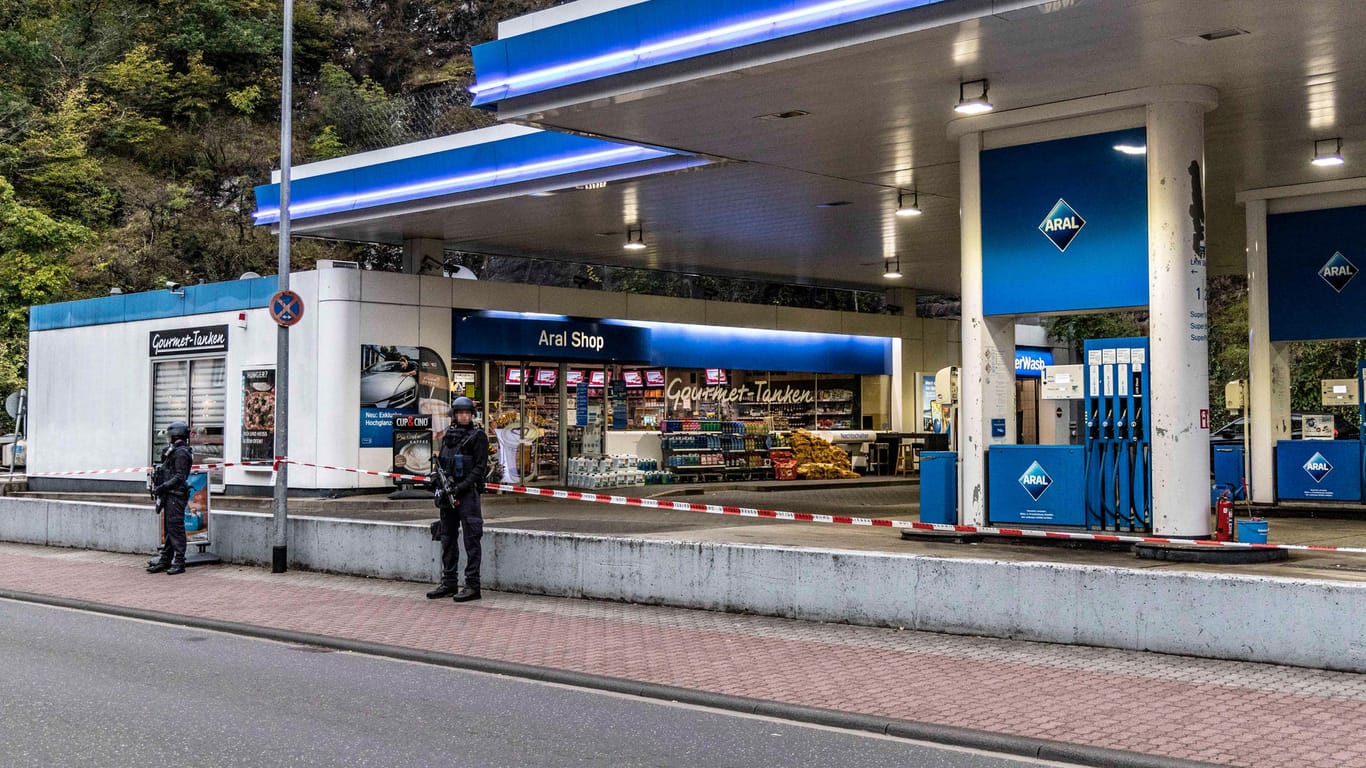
(939, 487)
(1228, 469)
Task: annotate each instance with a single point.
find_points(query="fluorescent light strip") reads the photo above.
(403, 193)
(696, 43)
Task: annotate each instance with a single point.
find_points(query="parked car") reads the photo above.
(387, 384)
(1232, 432)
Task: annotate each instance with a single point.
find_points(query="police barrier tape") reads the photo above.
(767, 514)
(132, 470)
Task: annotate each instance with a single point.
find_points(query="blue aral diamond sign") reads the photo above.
(1035, 481)
(1338, 272)
(1318, 467)
(1062, 224)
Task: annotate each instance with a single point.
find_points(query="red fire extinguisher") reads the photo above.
(1223, 518)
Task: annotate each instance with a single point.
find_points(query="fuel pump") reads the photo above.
(1118, 440)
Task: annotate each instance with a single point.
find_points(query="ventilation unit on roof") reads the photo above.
(337, 264)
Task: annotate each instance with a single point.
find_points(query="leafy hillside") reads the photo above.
(133, 131)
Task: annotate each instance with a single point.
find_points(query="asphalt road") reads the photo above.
(92, 690)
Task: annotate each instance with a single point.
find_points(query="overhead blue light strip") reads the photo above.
(531, 157)
(652, 33)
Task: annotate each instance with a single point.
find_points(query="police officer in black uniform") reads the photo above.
(463, 459)
(172, 489)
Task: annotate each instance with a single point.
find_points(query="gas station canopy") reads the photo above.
(785, 130)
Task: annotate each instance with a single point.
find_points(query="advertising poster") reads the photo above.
(400, 381)
(196, 512)
(258, 414)
(412, 444)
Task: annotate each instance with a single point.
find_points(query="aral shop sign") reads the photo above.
(188, 341)
(677, 392)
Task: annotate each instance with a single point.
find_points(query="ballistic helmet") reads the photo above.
(462, 404)
(178, 430)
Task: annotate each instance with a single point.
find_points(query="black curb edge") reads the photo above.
(987, 741)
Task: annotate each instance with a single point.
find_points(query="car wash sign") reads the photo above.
(200, 340)
(521, 337)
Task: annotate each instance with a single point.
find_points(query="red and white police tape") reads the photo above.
(768, 514)
(144, 470)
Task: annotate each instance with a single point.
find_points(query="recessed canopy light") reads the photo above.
(1328, 152)
(892, 269)
(905, 208)
(1132, 149)
(593, 185)
(972, 98)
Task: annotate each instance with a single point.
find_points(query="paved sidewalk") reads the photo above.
(1222, 712)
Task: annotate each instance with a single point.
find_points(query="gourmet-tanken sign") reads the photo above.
(188, 341)
(679, 394)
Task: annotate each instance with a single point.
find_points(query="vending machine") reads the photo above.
(1118, 438)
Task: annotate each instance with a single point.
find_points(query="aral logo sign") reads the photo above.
(1061, 224)
(1338, 272)
(1318, 467)
(1035, 481)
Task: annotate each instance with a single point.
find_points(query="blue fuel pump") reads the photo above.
(1118, 438)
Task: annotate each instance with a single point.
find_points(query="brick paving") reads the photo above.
(1222, 712)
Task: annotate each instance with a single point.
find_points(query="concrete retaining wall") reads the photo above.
(110, 527)
(1288, 621)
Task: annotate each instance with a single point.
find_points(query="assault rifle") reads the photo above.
(445, 486)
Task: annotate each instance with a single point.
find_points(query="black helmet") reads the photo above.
(462, 404)
(178, 430)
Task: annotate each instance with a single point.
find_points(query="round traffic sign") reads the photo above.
(286, 308)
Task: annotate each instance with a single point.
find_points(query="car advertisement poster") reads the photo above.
(258, 414)
(400, 381)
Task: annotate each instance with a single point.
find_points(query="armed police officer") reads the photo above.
(461, 466)
(171, 488)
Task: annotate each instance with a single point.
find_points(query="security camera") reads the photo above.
(175, 287)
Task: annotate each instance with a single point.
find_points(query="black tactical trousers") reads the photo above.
(173, 525)
(466, 519)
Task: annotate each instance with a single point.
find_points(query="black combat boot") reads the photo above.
(157, 566)
(466, 594)
(177, 567)
(445, 590)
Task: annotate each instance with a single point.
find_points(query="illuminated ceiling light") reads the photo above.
(1132, 149)
(1328, 152)
(972, 98)
(913, 209)
(635, 239)
(892, 269)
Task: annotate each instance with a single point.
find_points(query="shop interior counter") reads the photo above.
(634, 443)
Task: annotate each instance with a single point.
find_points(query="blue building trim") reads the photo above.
(519, 159)
(154, 305)
(652, 33)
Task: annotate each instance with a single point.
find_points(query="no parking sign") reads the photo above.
(286, 308)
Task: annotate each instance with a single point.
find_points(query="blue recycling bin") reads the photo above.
(1228, 470)
(939, 487)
